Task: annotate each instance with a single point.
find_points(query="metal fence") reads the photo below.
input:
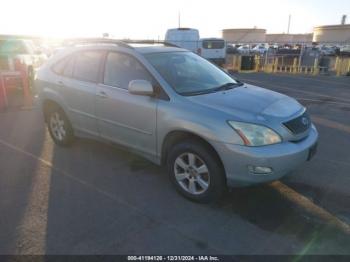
(293, 64)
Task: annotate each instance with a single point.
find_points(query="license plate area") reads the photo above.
(312, 152)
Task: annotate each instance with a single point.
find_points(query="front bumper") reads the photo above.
(282, 158)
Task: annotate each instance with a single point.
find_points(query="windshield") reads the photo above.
(188, 73)
(14, 47)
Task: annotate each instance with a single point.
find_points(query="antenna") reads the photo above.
(289, 18)
(343, 20)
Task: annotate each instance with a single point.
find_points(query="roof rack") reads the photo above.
(152, 42)
(123, 43)
(120, 43)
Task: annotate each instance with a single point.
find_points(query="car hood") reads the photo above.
(249, 101)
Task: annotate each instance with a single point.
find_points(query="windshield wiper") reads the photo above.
(227, 86)
(223, 87)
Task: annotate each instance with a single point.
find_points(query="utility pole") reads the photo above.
(288, 23)
(179, 19)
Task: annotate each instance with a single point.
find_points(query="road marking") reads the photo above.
(331, 124)
(110, 196)
(308, 205)
(323, 101)
(283, 189)
(294, 90)
(312, 78)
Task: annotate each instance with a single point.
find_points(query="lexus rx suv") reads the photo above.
(176, 109)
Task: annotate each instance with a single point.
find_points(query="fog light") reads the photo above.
(259, 170)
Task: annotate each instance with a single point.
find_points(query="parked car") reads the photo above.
(260, 49)
(176, 109)
(345, 50)
(213, 49)
(187, 38)
(244, 49)
(231, 49)
(22, 51)
(327, 50)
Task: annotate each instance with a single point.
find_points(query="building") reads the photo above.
(332, 33)
(244, 35)
(288, 38)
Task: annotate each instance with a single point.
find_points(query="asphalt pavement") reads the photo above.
(94, 198)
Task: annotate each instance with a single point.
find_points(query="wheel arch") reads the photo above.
(49, 103)
(177, 136)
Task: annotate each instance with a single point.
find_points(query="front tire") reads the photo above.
(196, 172)
(59, 126)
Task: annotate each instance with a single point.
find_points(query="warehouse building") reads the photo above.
(332, 33)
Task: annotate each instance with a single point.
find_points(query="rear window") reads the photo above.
(13, 47)
(213, 44)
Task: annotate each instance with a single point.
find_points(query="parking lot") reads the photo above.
(95, 198)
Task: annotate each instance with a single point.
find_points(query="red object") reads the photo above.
(10, 79)
(27, 98)
(3, 95)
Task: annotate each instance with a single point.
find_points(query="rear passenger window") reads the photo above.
(59, 66)
(87, 65)
(121, 69)
(68, 67)
(64, 67)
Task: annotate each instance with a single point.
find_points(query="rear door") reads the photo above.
(125, 118)
(79, 82)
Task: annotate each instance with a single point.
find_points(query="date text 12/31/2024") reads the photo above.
(173, 258)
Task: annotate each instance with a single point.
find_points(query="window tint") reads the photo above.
(59, 66)
(68, 67)
(121, 69)
(87, 66)
(217, 44)
(64, 67)
(188, 73)
(13, 47)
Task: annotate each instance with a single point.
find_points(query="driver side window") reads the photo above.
(120, 69)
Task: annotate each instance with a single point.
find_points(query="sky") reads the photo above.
(149, 19)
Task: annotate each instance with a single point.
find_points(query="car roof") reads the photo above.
(157, 49)
(139, 47)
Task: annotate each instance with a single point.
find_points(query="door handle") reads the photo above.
(60, 83)
(102, 94)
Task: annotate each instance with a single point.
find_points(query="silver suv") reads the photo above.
(175, 108)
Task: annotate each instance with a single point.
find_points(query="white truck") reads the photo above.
(213, 49)
(187, 38)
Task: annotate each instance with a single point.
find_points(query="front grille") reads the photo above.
(299, 125)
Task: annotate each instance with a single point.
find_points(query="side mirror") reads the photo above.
(140, 87)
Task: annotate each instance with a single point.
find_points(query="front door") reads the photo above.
(125, 118)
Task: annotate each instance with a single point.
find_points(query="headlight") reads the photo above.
(255, 135)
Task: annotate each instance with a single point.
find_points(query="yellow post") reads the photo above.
(294, 65)
(233, 62)
(275, 65)
(257, 63)
(337, 66)
(315, 69)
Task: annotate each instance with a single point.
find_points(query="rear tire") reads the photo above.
(59, 126)
(196, 171)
